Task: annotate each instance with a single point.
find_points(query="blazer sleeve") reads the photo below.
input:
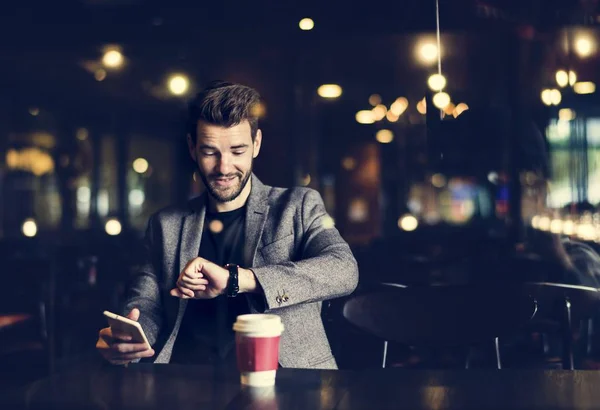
(326, 270)
(144, 292)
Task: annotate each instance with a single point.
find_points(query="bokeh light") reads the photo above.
(329, 91)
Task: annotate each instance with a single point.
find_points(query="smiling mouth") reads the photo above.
(224, 182)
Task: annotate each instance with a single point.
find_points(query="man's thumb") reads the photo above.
(134, 314)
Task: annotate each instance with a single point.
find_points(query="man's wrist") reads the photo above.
(247, 280)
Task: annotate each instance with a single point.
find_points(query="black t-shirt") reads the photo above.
(206, 335)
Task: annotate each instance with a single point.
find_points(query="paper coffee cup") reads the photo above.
(257, 347)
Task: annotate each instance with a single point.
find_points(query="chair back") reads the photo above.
(449, 315)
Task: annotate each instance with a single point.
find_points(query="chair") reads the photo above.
(559, 307)
(441, 316)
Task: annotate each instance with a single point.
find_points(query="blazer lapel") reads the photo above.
(189, 246)
(191, 232)
(257, 211)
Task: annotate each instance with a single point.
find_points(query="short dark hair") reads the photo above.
(225, 104)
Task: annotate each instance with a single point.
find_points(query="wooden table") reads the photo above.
(173, 387)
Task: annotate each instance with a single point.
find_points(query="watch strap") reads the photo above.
(233, 286)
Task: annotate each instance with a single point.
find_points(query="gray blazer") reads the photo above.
(288, 247)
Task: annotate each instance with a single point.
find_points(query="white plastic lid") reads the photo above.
(267, 324)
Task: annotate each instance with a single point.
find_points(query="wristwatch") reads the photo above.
(233, 286)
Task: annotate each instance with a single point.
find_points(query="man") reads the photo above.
(240, 247)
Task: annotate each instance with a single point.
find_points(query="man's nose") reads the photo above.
(224, 165)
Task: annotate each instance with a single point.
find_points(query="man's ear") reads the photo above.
(257, 143)
(191, 147)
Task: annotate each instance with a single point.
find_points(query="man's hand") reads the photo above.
(201, 279)
(118, 348)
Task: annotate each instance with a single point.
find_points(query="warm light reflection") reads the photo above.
(112, 59)
(215, 226)
(556, 226)
(391, 117)
(384, 136)
(585, 87)
(544, 223)
(569, 227)
(422, 106)
(460, 108)
(82, 134)
(546, 97)
(441, 100)
(140, 165)
(555, 97)
(551, 96)
(572, 77)
(34, 111)
(586, 231)
(305, 180)
(33, 160)
(379, 112)
(563, 78)
(178, 84)
(566, 114)
(329, 91)
(306, 24)
(427, 52)
(100, 74)
(535, 222)
(259, 110)
(348, 163)
(408, 223)
(584, 46)
(375, 99)
(113, 227)
(449, 110)
(29, 228)
(365, 117)
(436, 82)
(399, 106)
(438, 180)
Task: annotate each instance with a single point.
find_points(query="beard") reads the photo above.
(229, 193)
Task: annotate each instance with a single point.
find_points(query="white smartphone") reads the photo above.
(126, 326)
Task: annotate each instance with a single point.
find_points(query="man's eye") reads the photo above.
(208, 153)
(238, 152)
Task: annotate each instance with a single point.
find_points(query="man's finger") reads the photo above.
(187, 292)
(121, 336)
(193, 281)
(193, 288)
(185, 289)
(133, 356)
(176, 292)
(109, 336)
(123, 348)
(194, 266)
(134, 314)
(192, 275)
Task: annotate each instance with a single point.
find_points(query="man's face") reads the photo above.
(224, 157)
